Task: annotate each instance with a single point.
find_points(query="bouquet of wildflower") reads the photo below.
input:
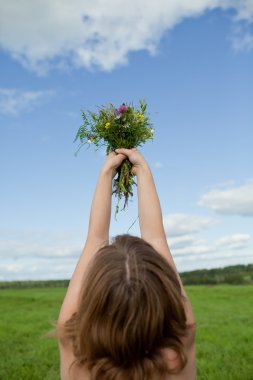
(123, 127)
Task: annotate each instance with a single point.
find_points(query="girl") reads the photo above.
(126, 315)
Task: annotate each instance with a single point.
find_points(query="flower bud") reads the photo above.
(123, 108)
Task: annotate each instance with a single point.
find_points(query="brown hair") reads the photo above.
(130, 309)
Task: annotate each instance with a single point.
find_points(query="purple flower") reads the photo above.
(116, 111)
(123, 108)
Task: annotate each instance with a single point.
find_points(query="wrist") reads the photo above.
(107, 172)
(142, 169)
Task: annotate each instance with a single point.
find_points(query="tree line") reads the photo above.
(234, 275)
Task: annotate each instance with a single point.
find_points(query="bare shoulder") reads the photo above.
(66, 359)
(189, 371)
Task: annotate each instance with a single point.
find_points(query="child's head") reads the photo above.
(130, 308)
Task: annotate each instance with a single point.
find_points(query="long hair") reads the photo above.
(130, 310)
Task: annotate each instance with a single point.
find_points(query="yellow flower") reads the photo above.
(107, 125)
(151, 132)
(140, 117)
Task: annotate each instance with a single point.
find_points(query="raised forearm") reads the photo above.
(150, 214)
(98, 235)
(150, 217)
(100, 213)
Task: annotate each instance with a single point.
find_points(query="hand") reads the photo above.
(135, 157)
(112, 162)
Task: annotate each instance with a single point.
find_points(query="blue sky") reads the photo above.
(193, 65)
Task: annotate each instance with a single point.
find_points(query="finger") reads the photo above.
(120, 157)
(112, 153)
(125, 151)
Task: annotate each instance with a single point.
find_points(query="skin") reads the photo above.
(152, 230)
(98, 232)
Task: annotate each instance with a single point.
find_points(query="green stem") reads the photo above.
(132, 224)
(122, 185)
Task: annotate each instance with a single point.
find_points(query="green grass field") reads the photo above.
(224, 317)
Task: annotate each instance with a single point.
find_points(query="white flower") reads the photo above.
(152, 130)
(89, 141)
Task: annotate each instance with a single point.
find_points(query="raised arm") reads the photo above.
(98, 232)
(150, 215)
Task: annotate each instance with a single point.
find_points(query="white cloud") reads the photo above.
(38, 255)
(197, 251)
(244, 9)
(243, 41)
(98, 33)
(194, 253)
(236, 241)
(189, 245)
(31, 248)
(34, 254)
(192, 245)
(181, 241)
(158, 164)
(36, 244)
(36, 269)
(183, 224)
(13, 101)
(242, 37)
(233, 201)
